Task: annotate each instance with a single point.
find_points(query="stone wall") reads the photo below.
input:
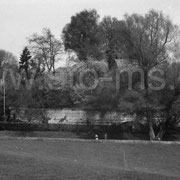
(71, 116)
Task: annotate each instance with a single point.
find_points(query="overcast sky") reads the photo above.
(21, 18)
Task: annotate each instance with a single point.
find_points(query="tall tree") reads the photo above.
(45, 49)
(7, 61)
(146, 42)
(81, 34)
(25, 62)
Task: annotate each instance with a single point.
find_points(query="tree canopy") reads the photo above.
(82, 36)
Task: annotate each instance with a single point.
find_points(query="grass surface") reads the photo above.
(44, 134)
(43, 159)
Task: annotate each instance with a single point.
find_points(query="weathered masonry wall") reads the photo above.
(71, 116)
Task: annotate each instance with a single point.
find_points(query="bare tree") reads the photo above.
(46, 49)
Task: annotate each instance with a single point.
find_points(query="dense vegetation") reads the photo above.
(145, 46)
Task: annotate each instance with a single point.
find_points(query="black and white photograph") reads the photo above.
(89, 90)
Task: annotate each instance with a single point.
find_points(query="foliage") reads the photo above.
(147, 37)
(7, 60)
(111, 38)
(24, 64)
(81, 35)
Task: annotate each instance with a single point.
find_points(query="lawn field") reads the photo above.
(56, 159)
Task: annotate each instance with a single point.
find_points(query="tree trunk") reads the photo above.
(151, 131)
(146, 85)
(160, 134)
(149, 120)
(164, 128)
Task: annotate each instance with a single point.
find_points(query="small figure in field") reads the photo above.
(105, 136)
(96, 137)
